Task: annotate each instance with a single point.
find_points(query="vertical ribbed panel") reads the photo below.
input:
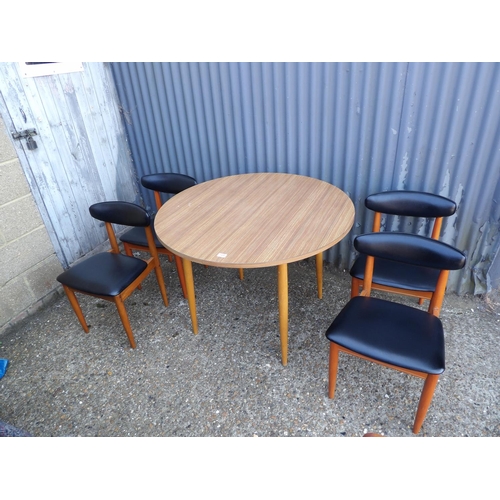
(364, 127)
(449, 144)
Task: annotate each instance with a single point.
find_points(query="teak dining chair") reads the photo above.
(135, 239)
(111, 275)
(389, 333)
(397, 277)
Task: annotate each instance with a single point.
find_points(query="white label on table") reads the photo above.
(222, 255)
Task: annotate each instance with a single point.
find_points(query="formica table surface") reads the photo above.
(254, 220)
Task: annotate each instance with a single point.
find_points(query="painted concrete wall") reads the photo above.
(28, 262)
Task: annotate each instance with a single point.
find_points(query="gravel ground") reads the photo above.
(228, 380)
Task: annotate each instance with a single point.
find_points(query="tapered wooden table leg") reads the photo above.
(319, 274)
(188, 275)
(283, 310)
(255, 220)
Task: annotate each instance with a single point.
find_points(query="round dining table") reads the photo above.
(255, 220)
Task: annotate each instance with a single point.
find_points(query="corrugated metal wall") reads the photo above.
(364, 127)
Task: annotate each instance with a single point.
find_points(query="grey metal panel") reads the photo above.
(450, 131)
(364, 127)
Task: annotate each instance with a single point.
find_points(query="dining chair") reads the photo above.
(111, 275)
(398, 277)
(394, 335)
(135, 238)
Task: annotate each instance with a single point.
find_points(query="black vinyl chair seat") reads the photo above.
(137, 236)
(105, 274)
(392, 333)
(397, 274)
(169, 183)
(411, 203)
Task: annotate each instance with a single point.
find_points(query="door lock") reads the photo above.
(28, 135)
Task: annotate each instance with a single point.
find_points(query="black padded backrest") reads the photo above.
(167, 182)
(120, 212)
(410, 249)
(411, 203)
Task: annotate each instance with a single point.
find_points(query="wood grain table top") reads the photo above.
(254, 220)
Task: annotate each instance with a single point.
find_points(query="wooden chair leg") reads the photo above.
(124, 317)
(76, 307)
(170, 256)
(334, 364)
(425, 401)
(161, 283)
(128, 251)
(420, 302)
(241, 274)
(355, 286)
(180, 273)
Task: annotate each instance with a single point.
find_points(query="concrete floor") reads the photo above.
(228, 380)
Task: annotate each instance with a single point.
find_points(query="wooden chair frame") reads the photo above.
(430, 380)
(129, 247)
(357, 284)
(153, 263)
